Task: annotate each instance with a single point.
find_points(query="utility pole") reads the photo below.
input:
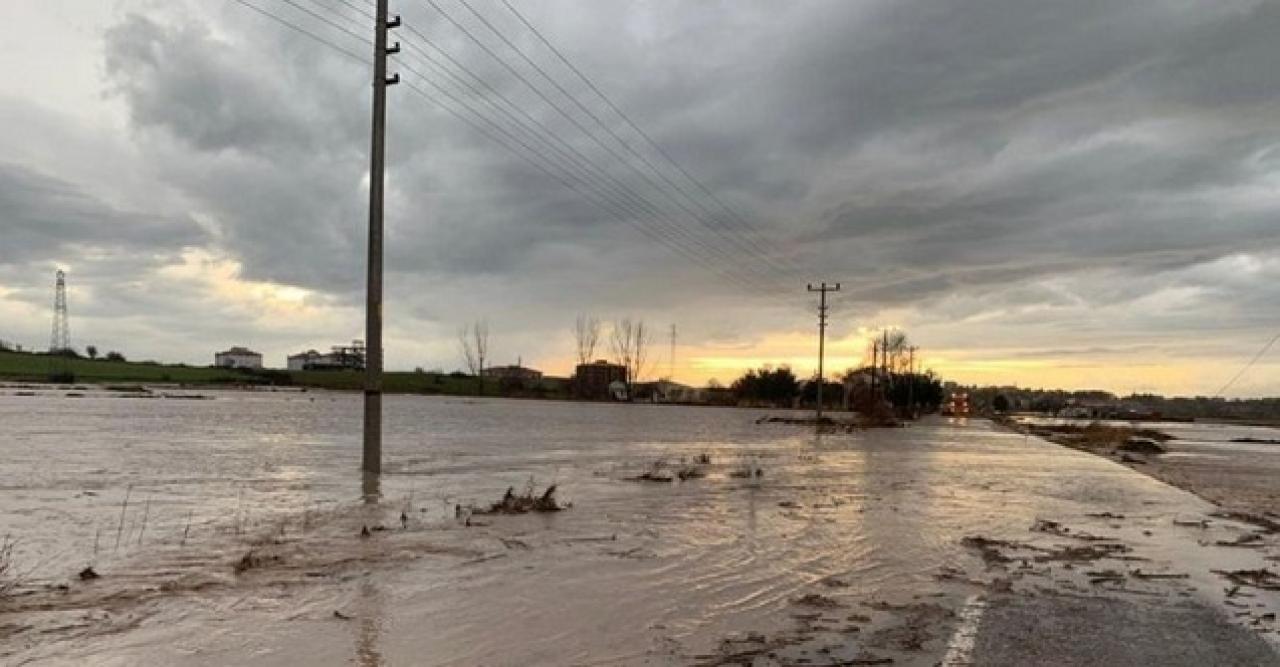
(884, 362)
(875, 366)
(822, 336)
(671, 366)
(911, 379)
(372, 458)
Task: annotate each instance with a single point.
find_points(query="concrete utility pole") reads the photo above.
(822, 336)
(372, 459)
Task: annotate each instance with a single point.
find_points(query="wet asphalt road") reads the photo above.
(1091, 631)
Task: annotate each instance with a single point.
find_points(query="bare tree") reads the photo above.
(630, 342)
(897, 351)
(586, 335)
(474, 343)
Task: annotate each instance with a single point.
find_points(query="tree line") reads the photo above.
(889, 379)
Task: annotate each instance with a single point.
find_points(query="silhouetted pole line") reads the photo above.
(822, 336)
(884, 363)
(875, 367)
(911, 379)
(372, 457)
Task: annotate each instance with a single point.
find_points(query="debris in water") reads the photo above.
(251, 560)
(1265, 523)
(988, 548)
(1139, 574)
(690, 472)
(1263, 579)
(1141, 446)
(817, 601)
(656, 473)
(1055, 528)
(522, 504)
(1248, 541)
(1088, 552)
(340, 616)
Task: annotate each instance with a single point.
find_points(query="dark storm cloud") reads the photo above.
(767, 111)
(915, 150)
(47, 219)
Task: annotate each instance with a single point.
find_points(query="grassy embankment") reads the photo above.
(23, 367)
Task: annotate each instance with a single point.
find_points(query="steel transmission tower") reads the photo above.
(60, 340)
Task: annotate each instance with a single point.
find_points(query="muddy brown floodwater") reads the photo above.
(234, 531)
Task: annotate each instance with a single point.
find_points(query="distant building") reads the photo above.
(302, 360)
(957, 405)
(666, 391)
(237, 357)
(339, 357)
(516, 372)
(592, 381)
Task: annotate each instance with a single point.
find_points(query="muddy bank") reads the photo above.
(1233, 480)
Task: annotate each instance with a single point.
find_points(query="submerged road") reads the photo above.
(948, 542)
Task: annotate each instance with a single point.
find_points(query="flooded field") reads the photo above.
(235, 530)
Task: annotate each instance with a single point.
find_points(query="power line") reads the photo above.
(627, 119)
(570, 97)
(303, 31)
(326, 20)
(582, 167)
(635, 200)
(624, 209)
(598, 173)
(621, 141)
(1254, 360)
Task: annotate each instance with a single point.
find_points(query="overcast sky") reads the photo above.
(1071, 193)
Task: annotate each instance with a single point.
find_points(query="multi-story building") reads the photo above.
(599, 381)
(237, 357)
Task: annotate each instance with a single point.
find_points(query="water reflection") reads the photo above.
(371, 608)
(371, 488)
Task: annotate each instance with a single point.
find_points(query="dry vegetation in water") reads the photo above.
(1099, 438)
(529, 501)
(8, 577)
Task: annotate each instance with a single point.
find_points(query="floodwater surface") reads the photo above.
(236, 530)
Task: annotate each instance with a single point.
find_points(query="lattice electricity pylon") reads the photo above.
(61, 338)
